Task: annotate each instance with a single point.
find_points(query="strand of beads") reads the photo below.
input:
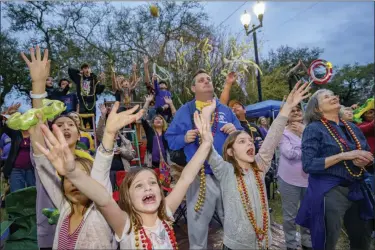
(202, 182)
(340, 141)
(142, 241)
(260, 232)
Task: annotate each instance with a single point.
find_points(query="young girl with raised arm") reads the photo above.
(143, 218)
(80, 225)
(241, 175)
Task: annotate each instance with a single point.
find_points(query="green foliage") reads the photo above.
(353, 83)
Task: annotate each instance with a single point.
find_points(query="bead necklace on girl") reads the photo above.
(143, 218)
(241, 175)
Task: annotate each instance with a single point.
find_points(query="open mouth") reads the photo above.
(67, 135)
(250, 152)
(75, 191)
(149, 199)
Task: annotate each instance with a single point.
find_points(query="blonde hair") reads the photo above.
(125, 202)
(165, 124)
(87, 167)
(228, 144)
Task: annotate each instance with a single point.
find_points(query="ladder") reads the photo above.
(92, 130)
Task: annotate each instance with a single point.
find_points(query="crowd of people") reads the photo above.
(324, 164)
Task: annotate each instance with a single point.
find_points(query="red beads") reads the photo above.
(261, 232)
(341, 142)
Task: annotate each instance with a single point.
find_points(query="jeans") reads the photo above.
(21, 178)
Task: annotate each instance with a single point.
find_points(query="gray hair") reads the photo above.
(312, 112)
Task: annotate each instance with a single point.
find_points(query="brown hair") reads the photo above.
(87, 167)
(199, 71)
(81, 126)
(228, 144)
(125, 202)
(60, 116)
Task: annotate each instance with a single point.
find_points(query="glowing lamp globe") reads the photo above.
(245, 19)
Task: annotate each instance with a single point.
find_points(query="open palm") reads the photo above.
(39, 68)
(298, 94)
(204, 128)
(116, 121)
(208, 110)
(59, 154)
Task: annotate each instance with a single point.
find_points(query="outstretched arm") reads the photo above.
(39, 71)
(145, 65)
(224, 97)
(189, 173)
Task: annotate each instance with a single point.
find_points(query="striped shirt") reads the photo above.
(66, 240)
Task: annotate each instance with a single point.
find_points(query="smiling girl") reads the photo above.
(241, 175)
(143, 218)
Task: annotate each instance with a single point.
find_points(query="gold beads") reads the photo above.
(202, 191)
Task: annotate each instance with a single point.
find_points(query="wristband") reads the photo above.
(38, 96)
(105, 151)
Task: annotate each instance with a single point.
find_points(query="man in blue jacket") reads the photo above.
(182, 134)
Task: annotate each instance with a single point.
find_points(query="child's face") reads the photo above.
(243, 148)
(72, 193)
(163, 86)
(126, 84)
(145, 193)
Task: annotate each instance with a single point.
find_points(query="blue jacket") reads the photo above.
(183, 121)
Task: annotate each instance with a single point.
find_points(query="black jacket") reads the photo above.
(16, 137)
(150, 133)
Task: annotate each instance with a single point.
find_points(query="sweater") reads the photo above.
(95, 232)
(238, 231)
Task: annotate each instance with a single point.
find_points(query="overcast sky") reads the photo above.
(345, 30)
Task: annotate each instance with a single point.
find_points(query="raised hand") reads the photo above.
(116, 121)
(149, 98)
(59, 154)
(204, 128)
(145, 59)
(103, 109)
(231, 78)
(13, 108)
(208, 110)
(297, 94)
(134, 66)
(102, 76)
(168, 100)
(39, 68)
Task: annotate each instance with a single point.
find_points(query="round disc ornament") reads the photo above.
(320, 63)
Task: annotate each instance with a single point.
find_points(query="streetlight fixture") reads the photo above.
(246, 20)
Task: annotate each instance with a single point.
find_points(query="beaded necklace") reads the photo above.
(202, 183)
(251, 132)
(260, 232)
(341, 142)
(87, 95)
(142, 240)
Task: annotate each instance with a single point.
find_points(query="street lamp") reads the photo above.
(245, 20)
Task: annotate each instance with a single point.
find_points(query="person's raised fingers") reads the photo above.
(32, 54)
(37, 52)
(24, 57)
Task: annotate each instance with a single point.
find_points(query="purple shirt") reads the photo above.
(5, 143)
(155, 149)
(159, 95)
(290, 162)
(23, 158)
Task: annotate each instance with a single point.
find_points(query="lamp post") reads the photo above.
(245, 20)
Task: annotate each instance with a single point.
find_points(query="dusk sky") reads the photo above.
(345, 30)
